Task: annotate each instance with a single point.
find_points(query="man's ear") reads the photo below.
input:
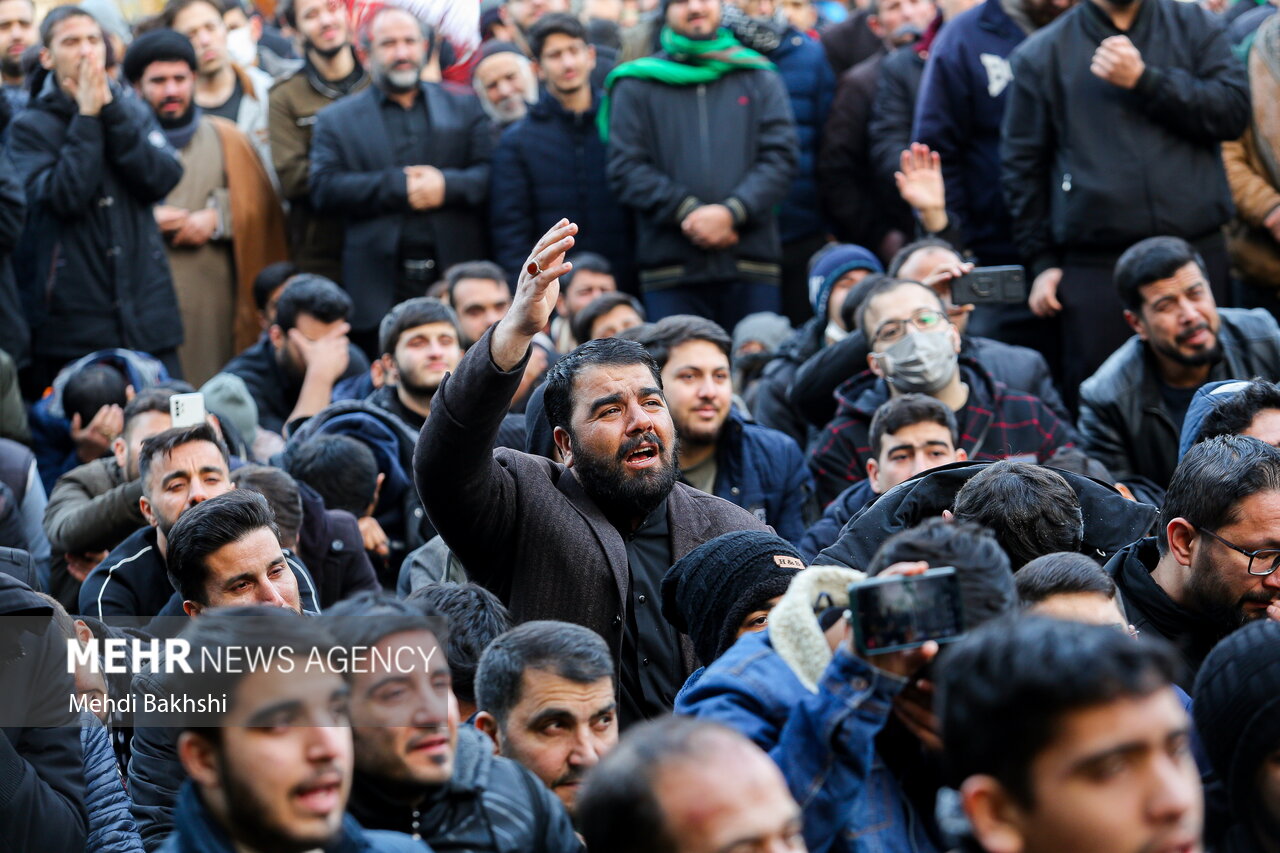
(873, 24)
(120, 451)
(564, 445)
(1135, 323)
(197, 754)
(377, 493)
(873, 364)
(947, 514)
(873, 471)
(46, 61)
(277, 336)
(962, 455)
(192, 608)
(1181, 534)
(388, 364)
(83, 632)
(995, 818)
(487, 723)
(144, 504)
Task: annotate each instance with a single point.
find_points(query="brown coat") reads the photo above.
(1254, 251)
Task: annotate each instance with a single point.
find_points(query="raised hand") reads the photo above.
(535, 296)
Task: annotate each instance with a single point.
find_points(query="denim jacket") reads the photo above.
(823, 742)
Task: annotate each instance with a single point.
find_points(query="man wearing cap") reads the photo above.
(504, 82)
(224, 194)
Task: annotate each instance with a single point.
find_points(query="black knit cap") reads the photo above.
(1237, 708)
(160, 45)
(711, 589)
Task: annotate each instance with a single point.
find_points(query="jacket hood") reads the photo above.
(1208, 398)
(794, 631)
(140, 370)
(18, 599)
(1111, 522)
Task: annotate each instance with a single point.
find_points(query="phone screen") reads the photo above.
(903, 612)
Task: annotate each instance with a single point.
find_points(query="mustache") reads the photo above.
(1189, 333)
(575, 774)
(631, 445)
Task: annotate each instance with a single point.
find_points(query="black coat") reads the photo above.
(92, 268)
(15, 335)
(889, 132)
(1090, 167)
(844, 161)
(332, 549)
(354, 174)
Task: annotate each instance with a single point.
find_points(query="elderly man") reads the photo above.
(504, 82)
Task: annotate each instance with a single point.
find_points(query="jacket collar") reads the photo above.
(1098, 22)
(196, 831)
(548, 107)
(328, 89)
(993, 18)
(1190, 632)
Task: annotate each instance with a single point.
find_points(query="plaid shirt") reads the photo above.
(996, 423)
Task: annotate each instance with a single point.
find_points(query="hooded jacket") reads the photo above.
(490, 805)
(995, 423)
(332, 548)
(111, 826)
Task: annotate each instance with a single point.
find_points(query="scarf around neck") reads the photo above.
(180, 136)
(692, 62)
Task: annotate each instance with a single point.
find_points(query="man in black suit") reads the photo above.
(406, 163)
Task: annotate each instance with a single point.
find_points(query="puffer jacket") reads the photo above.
(92, 265)
(490, 805)
(111, 826)
(811, 86)
(763, 471)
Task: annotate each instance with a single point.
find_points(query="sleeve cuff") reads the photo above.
(689, 205)
(739, 211)
(1149, 82)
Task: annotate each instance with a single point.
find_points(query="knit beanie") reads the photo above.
(1237, 708)
(711, 589)
(764, 327)
(157, 46)
(827, 268)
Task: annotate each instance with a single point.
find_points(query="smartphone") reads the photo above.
(902, 612)
(187, 409)
(990, 284)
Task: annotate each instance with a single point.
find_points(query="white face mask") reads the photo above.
(922, 362)
(241, 47)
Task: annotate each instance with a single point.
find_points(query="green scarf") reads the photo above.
(693, 62)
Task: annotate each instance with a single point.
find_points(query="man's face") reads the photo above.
(324, 25)
(480, 302)
(566, 65)
(560, 729)
(1179, 318)
(507, 83)
(910, 450)
(397, 50)
(585, 286)
(758, 620)
(734, 799)
(423, 355)
(310, 327)
(839, 291)
(613, 321)
(801, 14)
(280, 777)
(17, 33)
(1265, 426)
(695, 19)
(403, 712)
(190, 474)
(1043, 12)
(76, 39)
(902, 21)
(1219, 585)
(249, 572)
(1090, 608)
(1117, 778)
(525, 13)
(129, 445)
(168, 87)
(622, 447)
(203, 24)
(891, 313)
(699, 389)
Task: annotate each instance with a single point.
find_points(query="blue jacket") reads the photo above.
(763, 471)
(811, 86)
(824, 532)
(196, 832)
(958, 114)
(111, 826)
(824, 742)
(548, 165)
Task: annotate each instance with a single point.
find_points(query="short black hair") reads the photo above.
(154, 399)
(986, 581)
(662, 337)
(1033, 510)
(900, 258)
(287, 11)
(207, 527)
(173, 8)
(269, 278)
(597, 308)
(908, 410)
(342, 470)
(854, 298)
(569, 651)
(314, 295)
(92, 387)
(57, 15)
(487, 270)
(364, 619)
(1062, 573)
(261, 633)
(605, 352)
(1233, 414)
(410, 314)
(1005, 688)
(1151, 260)
(281, 492)
(164, 443)
(476, 617)
(589, 261)
(1213, 478)
(618, 810)
(555, 23)
(880, 287)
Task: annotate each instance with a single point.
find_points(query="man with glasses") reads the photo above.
(1212, 568)
(916, 349)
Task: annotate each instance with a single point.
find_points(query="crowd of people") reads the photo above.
(543, 395)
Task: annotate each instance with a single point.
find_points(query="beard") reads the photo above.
(11, 67)
(1212, 355)
(422, 389)
(397, 80)
(181, 120)
(323, 52)
(622, 496)
(246, 815)
(1213, 598)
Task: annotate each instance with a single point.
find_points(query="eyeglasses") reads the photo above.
(926, 320)
(1267, 555)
